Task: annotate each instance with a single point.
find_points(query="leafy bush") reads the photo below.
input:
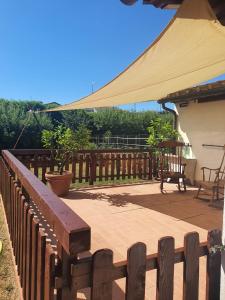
(14, 115)
(82, 137)
(62, 141)
(160, 130)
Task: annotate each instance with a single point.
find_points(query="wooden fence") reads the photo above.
(99, 272)
(45, 233)
(93, 165)
(47, 237)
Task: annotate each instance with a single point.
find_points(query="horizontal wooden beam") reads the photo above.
(73, 233)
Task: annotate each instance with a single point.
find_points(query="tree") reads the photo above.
(62, 141)
(14, 115)
(82, 137)
(160, 130)
(73, 119)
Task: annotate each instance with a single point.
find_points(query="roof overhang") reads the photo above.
(203, 93)
(217, 5)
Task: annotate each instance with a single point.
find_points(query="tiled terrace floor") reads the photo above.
(122, 215)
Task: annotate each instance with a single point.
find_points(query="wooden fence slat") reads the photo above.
(118, 163)
(35, 229)
(93, 169)
(87, 167)
(150, 165)
(74, 168)
(43, 169)
(102, 275)
(19, 229)
(8, 205)
(134, 166)
(49, 273)
(23, 277)
(81, 164)
(191, 266)
(41, 264)
(100, 166)
(35, 161)
(136, 270)
(65, 292)
(129, 166)
(213, 266)
(14, 215)
(106, 166)
(144, 166)
(112, 166)
(139, 165)
(12, 195)
(23, 201)
(124, 161)
(28, 251)
(17, 220)
(165, 272)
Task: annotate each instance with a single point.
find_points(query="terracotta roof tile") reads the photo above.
(201, 91)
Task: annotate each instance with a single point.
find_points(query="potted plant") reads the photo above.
(61, 141)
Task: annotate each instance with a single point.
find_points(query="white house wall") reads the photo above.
(203, 123)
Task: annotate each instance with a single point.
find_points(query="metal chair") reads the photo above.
(213, 182)
(171, 167)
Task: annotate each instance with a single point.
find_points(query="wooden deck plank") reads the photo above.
(123, 215)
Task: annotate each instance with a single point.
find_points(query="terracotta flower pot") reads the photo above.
(59, 184)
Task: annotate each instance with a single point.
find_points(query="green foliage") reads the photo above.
(55, 116)
(62, 141)
(121, 122)
(73, 119)
(13, 116)
(160, 130)
(82, 137)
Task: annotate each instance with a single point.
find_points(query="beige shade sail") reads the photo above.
(189, 51)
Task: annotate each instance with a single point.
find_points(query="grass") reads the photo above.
(8, 282)
(107, 182)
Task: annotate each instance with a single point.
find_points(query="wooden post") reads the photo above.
(150, 165)
(102, 275)
(191, 266)
(66, 292)
(136, 271)
(213, 267)
(165, 272)
(92, 168)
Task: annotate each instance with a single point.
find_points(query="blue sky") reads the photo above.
(53, 50)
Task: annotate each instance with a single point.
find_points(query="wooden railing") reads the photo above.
(46, 234)
(47, 237)
(99, 272)
(93, 165)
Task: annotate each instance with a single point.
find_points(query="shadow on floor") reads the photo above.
(182, 206)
